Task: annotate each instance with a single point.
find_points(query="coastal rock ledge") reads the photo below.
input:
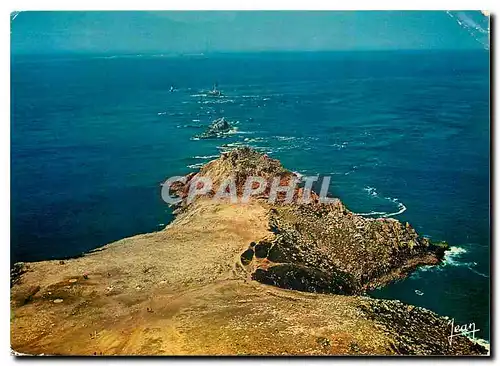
(224, 278)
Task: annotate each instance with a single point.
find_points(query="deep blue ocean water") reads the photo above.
(405, 134)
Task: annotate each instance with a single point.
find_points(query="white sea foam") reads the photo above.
(205, 156)
(426, 268)
(402, 207)
(217, 101)
(196, 166)
(340, 146)
(452, 255)
(371, 213)
(231, 146)
(477, 272)
(353, 170)
(285, 138)
(451, 259)
(239, 132)
(372, 191)
(253, 139)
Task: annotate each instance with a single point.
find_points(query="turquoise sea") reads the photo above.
(403, 134)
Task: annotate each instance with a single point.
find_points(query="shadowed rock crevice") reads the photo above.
(262, 249)
(295, 277)
(246, 257)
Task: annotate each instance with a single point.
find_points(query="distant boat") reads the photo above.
(172, 89)
(215, 92)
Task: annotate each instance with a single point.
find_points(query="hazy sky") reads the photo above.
(197, 31)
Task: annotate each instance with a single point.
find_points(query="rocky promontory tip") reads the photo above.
(233, 277)
(317, 247)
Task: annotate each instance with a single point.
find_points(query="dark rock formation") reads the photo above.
(330, 240)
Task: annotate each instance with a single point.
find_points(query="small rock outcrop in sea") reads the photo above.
(230, 279)
(218, 128)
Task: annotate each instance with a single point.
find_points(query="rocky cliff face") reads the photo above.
(319, 247)
(350, 253)
(232, 278)
(218, 128)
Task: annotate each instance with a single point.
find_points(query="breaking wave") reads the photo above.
(371, 191)
(205, 156)
(195, 166)
(451, 259)
(452, 256)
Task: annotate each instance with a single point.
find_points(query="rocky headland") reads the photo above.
(225, 278)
